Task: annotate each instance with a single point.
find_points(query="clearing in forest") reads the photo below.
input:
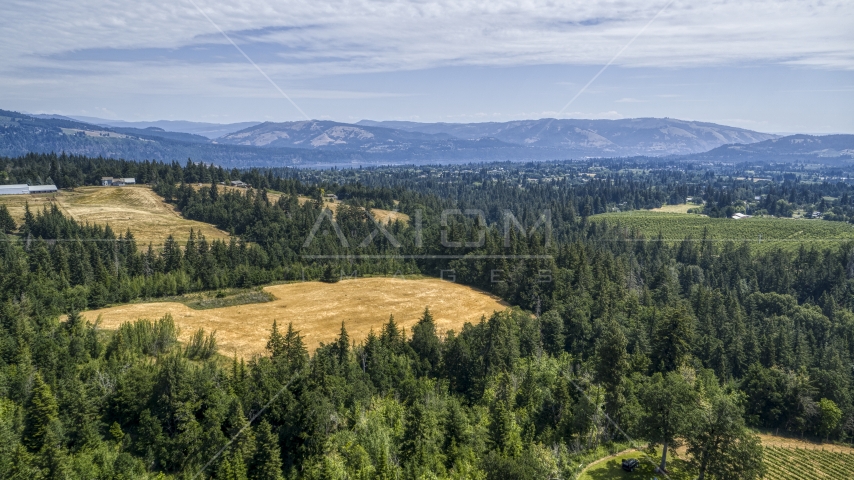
(680, 208)
(383, 216)
(317, 310)
(137, 208)
(761, 233)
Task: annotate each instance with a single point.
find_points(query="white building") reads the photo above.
(42, 189)
(24, 189)
(117, 182)
(21, 189)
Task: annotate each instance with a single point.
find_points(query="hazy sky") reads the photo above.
(776, 66)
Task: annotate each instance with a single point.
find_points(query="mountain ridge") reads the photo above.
(624, 137)
(328, 143)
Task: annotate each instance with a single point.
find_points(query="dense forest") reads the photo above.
(616, 339)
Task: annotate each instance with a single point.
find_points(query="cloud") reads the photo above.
(359, 35)
(61, 49)
(629, 100)
(610, 115)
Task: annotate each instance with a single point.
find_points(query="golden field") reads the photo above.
(383, 216)
(135, 207)
(317, 310)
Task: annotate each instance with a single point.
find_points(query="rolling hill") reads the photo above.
(611, 138)
(790, 148)
(136, 208)
(326, 143)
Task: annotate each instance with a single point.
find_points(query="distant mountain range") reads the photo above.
(789, 148)
(207, 130)
(614, 138)
(554, 138)
(327, 143)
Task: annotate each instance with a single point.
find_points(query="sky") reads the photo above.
(782, 66)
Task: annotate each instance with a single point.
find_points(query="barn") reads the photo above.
(42, 189)
(24, 189)
(21, 189)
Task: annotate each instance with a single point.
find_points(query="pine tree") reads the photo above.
(551, 325)
(671, 344)
(390, 336)
(329, 274)
(29, 219)
(295, 351)
(42, 415)
(612, 365)
(426, 343)
(267, 462)
(342, 346)
(7, 223)
(232, 468)
(276, 343)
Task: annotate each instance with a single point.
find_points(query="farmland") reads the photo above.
(763, 233)
(785, 459)
(137, 208)
(317, 310)
(811, 464)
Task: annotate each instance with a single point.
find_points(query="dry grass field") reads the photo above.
(382, 216)
(681, 208)
(135, 207)
(317, 310)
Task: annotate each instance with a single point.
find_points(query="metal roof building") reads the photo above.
(24, 189)
(42, 188)
(21, 189)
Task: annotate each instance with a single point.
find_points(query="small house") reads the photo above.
(238, 183)
(117, 182)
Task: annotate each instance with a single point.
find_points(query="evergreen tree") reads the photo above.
(329, 274)
(671, 344)
(276, 343)
(342, 346)
(552, 332)
(7, 223)
(425, 343)
(267, 462)
(294, 348)
(42, 417)
(391, 337)
(612, 365)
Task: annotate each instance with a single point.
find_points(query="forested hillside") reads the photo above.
(616, 338)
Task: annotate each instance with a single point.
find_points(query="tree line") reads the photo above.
(685, 343)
